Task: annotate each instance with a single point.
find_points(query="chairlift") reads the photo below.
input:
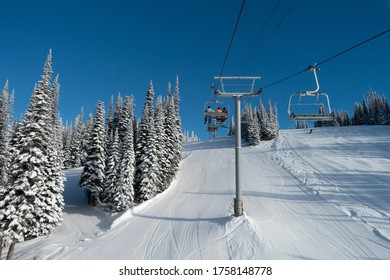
(216, 113)
(308, 110)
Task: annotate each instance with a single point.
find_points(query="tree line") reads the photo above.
(124, 161)
(257, 123)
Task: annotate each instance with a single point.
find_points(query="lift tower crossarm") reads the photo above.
(227, 93)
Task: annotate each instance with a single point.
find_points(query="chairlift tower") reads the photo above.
(237, 87)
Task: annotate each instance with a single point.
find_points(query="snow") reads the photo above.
(321, 195)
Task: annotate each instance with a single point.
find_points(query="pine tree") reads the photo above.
(171, 144)
(178, 135)
(114, 157)
(5, 134)
(125, 188)
(110, 117)
(366, 113)
(358, 118)
(86, 135)
(232, 128)
(245, 117)
(32, 202)
(92, 178)
(253, 134)
(161, 139)
(272, 120)
(54, 93)
(75, 153)
(149, 167)
(147, 180)
(143, 138)
(120, 194)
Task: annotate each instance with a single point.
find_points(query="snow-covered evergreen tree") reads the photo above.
(74, 156)
(232, 128)
(117, 114)
(189, 138)
(92, 177)
(161, 139)
(110, 118)
(114, 154)
(374, 110)
(171, 144)
(149, 168)
(245, 116)
(5, 134)
(120, 195)
(32, 203)
(55, 93)
(125, 194)
(259, 122)
(86, 135)
(145, 151)
(357, 118)
(178, 135)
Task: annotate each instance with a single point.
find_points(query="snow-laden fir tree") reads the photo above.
(117, 114)
(244, 121)
(161, 140)
(113, 160)
(171, 145)
(32, 202)
(178, 136)
(149, 168)
(92, 177)
(86, 135)
(110, 118)
(253, 135)
(189, 138)
(55, 95)
(145, 156)
(127, 164)
(142, 135)
(258, 124)
(66, 139)
(232, 128)
(74, 156)
(6, 104)
(121, 195)
(271, 126)
(357, 118)
(374, 110)
(55, 177)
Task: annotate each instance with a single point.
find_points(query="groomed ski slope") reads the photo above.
(323, 195)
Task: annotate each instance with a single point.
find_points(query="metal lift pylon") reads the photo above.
(244, 88)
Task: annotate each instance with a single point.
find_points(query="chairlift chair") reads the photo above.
(321, 104)
(216, 117)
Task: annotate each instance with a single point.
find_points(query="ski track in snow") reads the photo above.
(287, 156)
(306, 196)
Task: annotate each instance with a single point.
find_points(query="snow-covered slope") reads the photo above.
(319, 195)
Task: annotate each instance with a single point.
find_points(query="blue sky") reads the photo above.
(102, 48)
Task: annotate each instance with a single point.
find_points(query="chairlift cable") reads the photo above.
(277, 27)
(353, 47)
(326, 60)
(231, 40)
(262, 30)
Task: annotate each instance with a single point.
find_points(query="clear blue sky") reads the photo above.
(104, 47)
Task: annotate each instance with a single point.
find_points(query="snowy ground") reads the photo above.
(324, 195)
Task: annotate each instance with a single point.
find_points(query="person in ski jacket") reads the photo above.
(219, 111)
(207, 118)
